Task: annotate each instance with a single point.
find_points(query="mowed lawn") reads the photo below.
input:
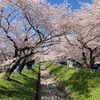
(83, 85)
(21, 86)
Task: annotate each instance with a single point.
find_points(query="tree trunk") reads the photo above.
(85, 60)
(10, 70)
(92, 59)
(14, 65)
(78, 63)
(16, 53)
(21, 66)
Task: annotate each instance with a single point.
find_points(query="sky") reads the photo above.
(74, 3)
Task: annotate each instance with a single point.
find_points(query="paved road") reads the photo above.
(48, 90)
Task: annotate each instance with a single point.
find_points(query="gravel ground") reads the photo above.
(48, 90)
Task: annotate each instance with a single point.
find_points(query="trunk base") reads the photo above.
(7, 74)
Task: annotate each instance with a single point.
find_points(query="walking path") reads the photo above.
(48, 90)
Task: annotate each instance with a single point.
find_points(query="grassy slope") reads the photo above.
(20, 87)
(83, 85)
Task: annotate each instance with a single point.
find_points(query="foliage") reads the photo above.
(84, 85)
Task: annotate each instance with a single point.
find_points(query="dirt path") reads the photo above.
(48, 90)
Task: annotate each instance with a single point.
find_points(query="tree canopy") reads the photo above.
(29, 28)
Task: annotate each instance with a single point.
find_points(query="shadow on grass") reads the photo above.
(21, 87)
(18, 89)
(16, 81)
(80, 82)
(15, 94)
(27, 77)
(34, 71)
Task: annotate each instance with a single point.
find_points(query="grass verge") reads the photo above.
(84, 85)
(21, 86)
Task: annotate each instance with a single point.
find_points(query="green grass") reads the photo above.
(84, 85)
(20, 87)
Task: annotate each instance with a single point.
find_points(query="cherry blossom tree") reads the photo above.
(82, 44)
(30, 27)
(85, 26)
